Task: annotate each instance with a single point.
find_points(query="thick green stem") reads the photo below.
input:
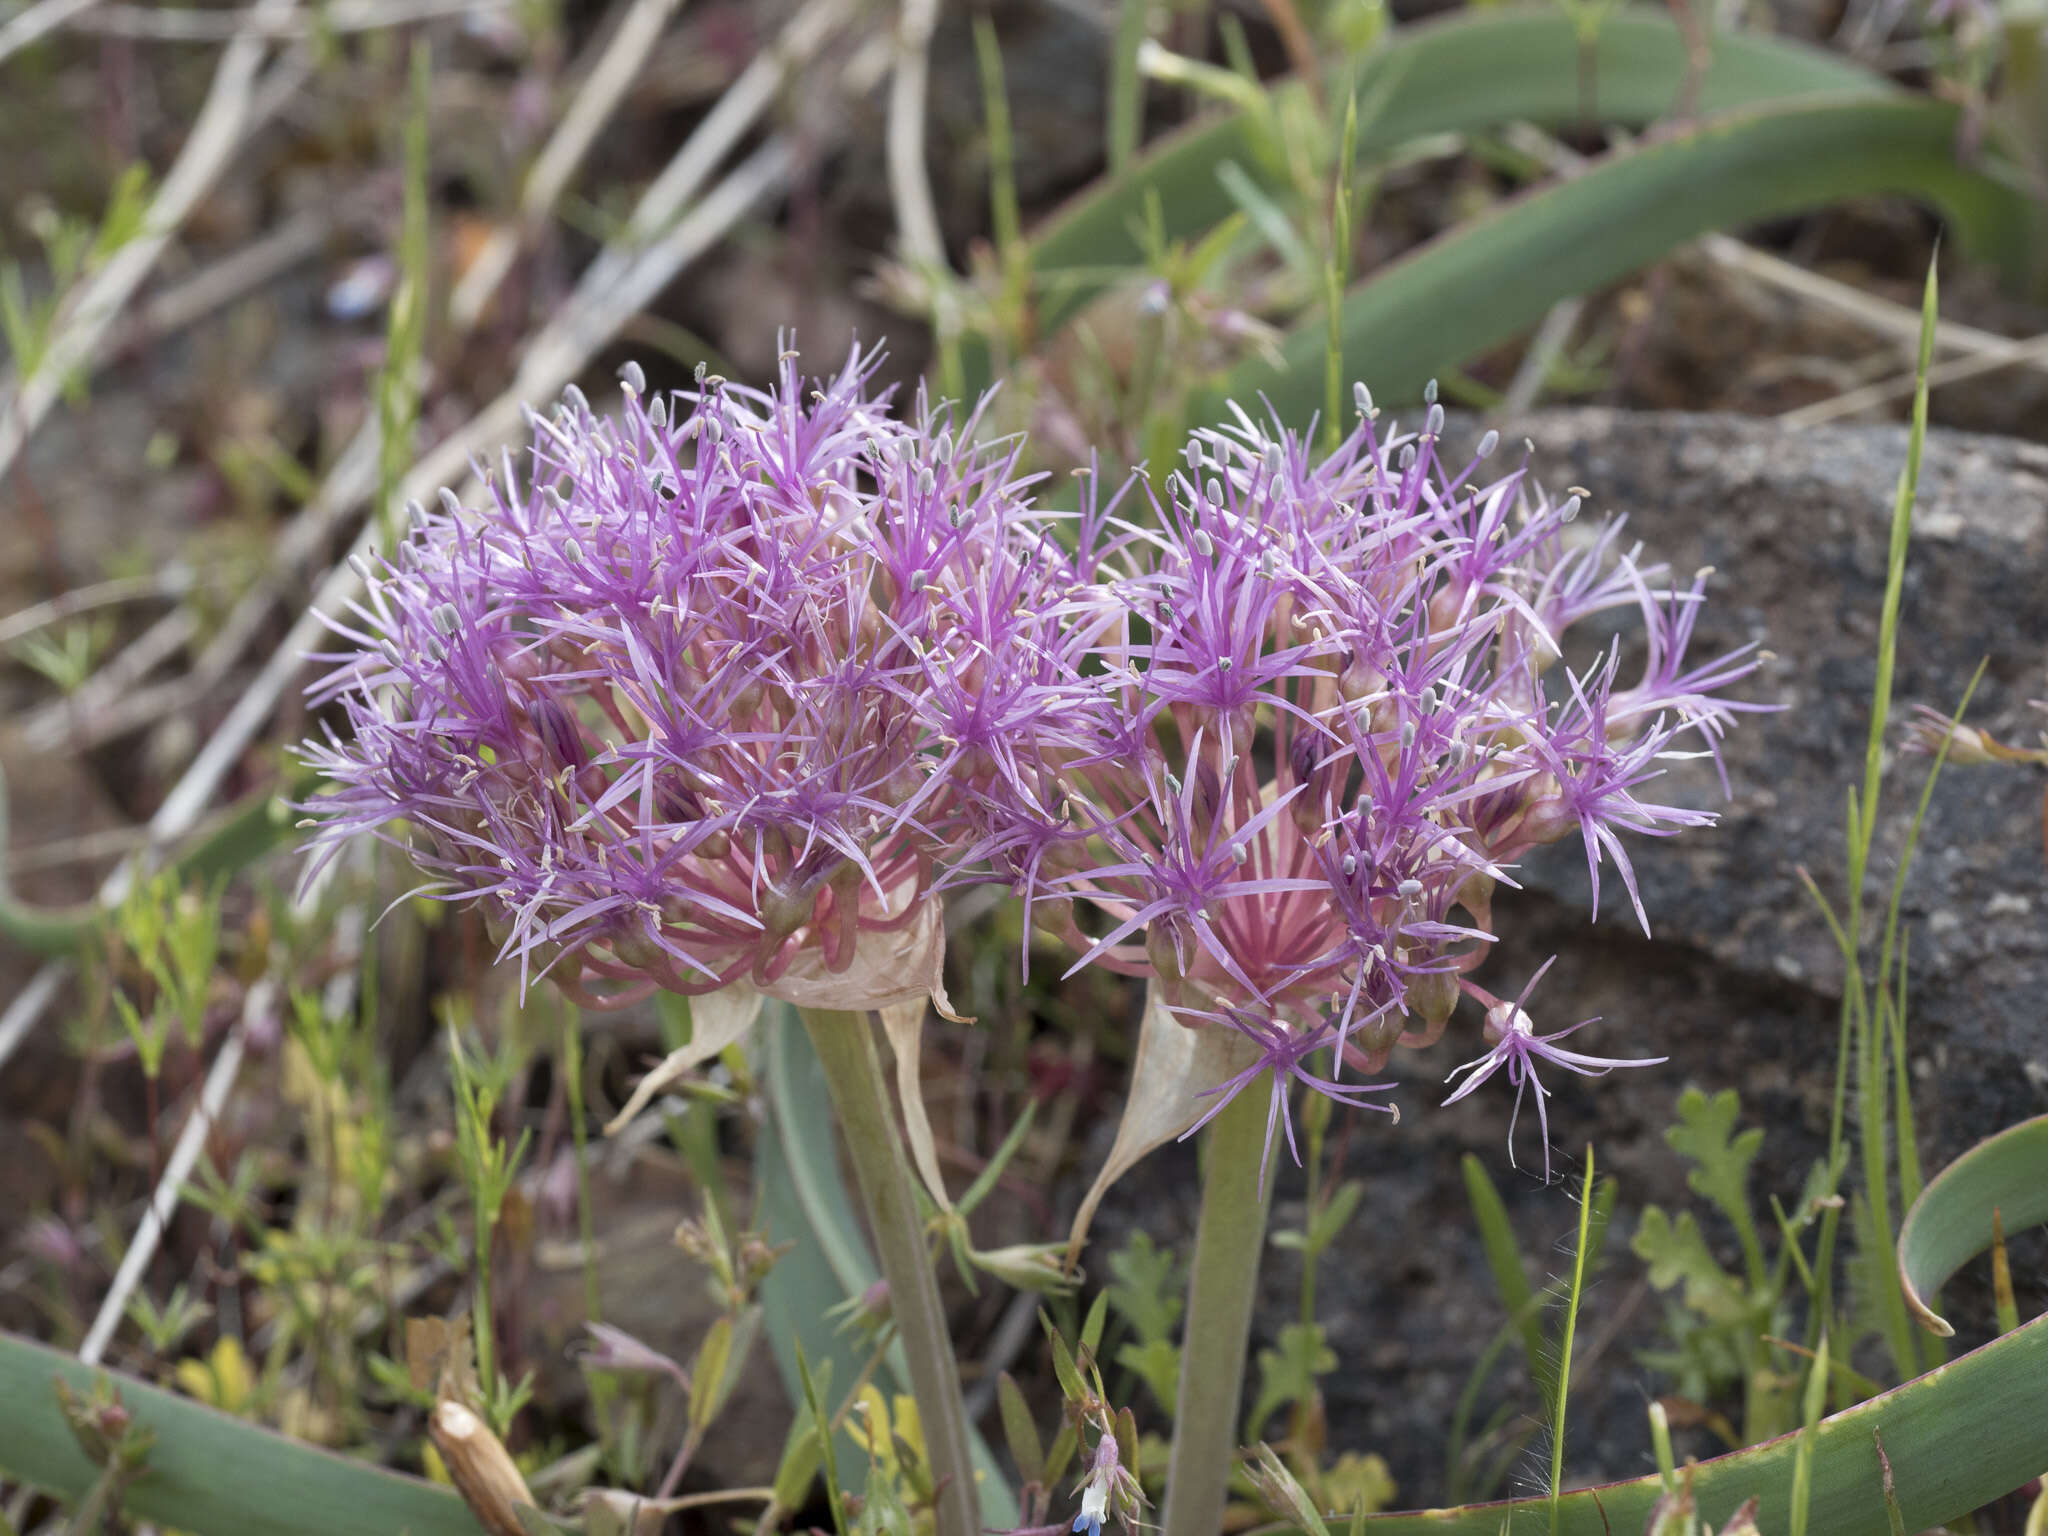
(845, 1044)
(1228, 1243)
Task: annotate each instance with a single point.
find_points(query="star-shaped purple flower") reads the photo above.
(1517, 1048)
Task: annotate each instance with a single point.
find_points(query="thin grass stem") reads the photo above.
(1564, 1353)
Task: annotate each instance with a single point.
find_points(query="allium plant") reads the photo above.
(704, 705)
(1328, 711)
(736, 684)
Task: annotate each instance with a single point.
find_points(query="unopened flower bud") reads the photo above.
(1038, 1267)
(1432, 995)
(866, 1314)
(558, 733)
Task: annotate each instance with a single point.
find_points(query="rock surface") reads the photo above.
(1741, 983)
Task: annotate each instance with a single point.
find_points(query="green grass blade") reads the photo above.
(1459, 1446)
(1802, 1454)
(1504, 1260)
(1875, 1128)
(207, 1472)
(1126, 88)
(1564, 1353)
(828, 1458)
(1491, 278)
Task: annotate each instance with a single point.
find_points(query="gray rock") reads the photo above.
(1797, 529)
(1740, 984)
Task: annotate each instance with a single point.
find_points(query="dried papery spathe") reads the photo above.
(896, 974)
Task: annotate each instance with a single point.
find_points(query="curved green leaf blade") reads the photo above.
(1962, 1435)
(206, 1472)
(1488, 280)
(1951, 1222)
(1472, 70)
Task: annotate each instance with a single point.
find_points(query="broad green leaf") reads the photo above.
(1704, 1137)
(1957, 1438)
(1092, 1325)
(1020, 1429)
(207, 1472)
(1328, 1223)
(802, 1454)
(804, 1200)
(1491, 278)
(1063, 1366)
(1156, 1362)
(1064, 1446)
(1466, 72)
(1997, 1183)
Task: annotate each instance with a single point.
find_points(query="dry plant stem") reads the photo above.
(658, 240)
(1552, 337)
(910, 187)
(163, 1199)
(164, 24)
(235, 276)
(224, 124)
(1896, 322)
(845, 1044)
(631, 44)
(2031, 353)
(1229, 1240)
(1301, 50)
(173, 581)
(38, 21)
(80, 720)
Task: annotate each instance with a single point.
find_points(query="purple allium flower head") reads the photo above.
(709, 701)
(1326, 710)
